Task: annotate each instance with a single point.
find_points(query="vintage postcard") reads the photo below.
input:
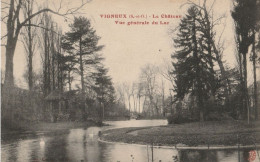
(130, 80)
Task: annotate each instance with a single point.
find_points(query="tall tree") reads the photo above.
(244, 17)
(70, 60)
(44, 43)
(192, 66)
(213, 45)
(29, 34)
(255, 56)
(84, 41)
(52, 58)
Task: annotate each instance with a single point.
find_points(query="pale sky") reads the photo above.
(128, 48)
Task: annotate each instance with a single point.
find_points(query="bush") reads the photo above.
(178, 119)
(21, 105)
(213, 116)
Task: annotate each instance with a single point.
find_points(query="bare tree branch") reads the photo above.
(215, 22)
(60, 6)
(42, 27)
(4, 8)
(69, 12)
(211, 7)
(4, 36)
(5, 3)
(3, 18)
(221, 34)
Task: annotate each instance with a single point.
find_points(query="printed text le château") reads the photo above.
(124, 16)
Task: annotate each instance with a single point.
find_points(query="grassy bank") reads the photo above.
(191, 134)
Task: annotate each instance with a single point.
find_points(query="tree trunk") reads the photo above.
(81, 66)
(69, 78)
(30, 56)
(241, 84)
(139, 98)
(222, 70)
(227, 88)
(10, 48)
(103, 107)
(129, 104)
(48, 65)
(198, 72)
(60, 69)
(45, 69)
(53, 58)
(144, 103)
(171, 108)
(9, 66)
(245, 85)
(134, 103)
(255, 83)
(100, 111)
(163, 103)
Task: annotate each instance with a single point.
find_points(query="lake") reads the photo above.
(82, 145)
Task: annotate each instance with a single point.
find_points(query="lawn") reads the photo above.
(190, 134)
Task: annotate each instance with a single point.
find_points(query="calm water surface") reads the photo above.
(82, 145)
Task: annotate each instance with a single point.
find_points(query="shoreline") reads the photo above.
(215, 147)
(212, 135)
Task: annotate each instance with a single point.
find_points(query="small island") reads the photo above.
(206, 135)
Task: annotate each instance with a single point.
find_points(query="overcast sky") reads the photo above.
(128, 48)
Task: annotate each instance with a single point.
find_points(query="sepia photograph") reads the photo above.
(130, 80)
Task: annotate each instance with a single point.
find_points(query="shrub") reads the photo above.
(178, 119)
(213, 116)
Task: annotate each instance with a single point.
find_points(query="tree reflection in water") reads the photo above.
(216, 155)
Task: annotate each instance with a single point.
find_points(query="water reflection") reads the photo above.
(136, 123)
(218, 156)
(83, 145)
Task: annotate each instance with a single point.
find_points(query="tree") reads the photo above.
(120, 94)
(29, 34)
(127, 89)
(148, 79)
(140, 93)
(192, 65)
(84, 41)
(14, 23)
(103, 88)
(254, 56)
(49, 44)
(37, 80)
(163, 96)
(244, 17)
(133, 94)
(69, 60)
(254, 62)
(166, 72)
(214, 46)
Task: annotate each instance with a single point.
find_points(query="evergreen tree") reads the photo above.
(69, 60)
(84, 42)
(103, 88)
(192, 61)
